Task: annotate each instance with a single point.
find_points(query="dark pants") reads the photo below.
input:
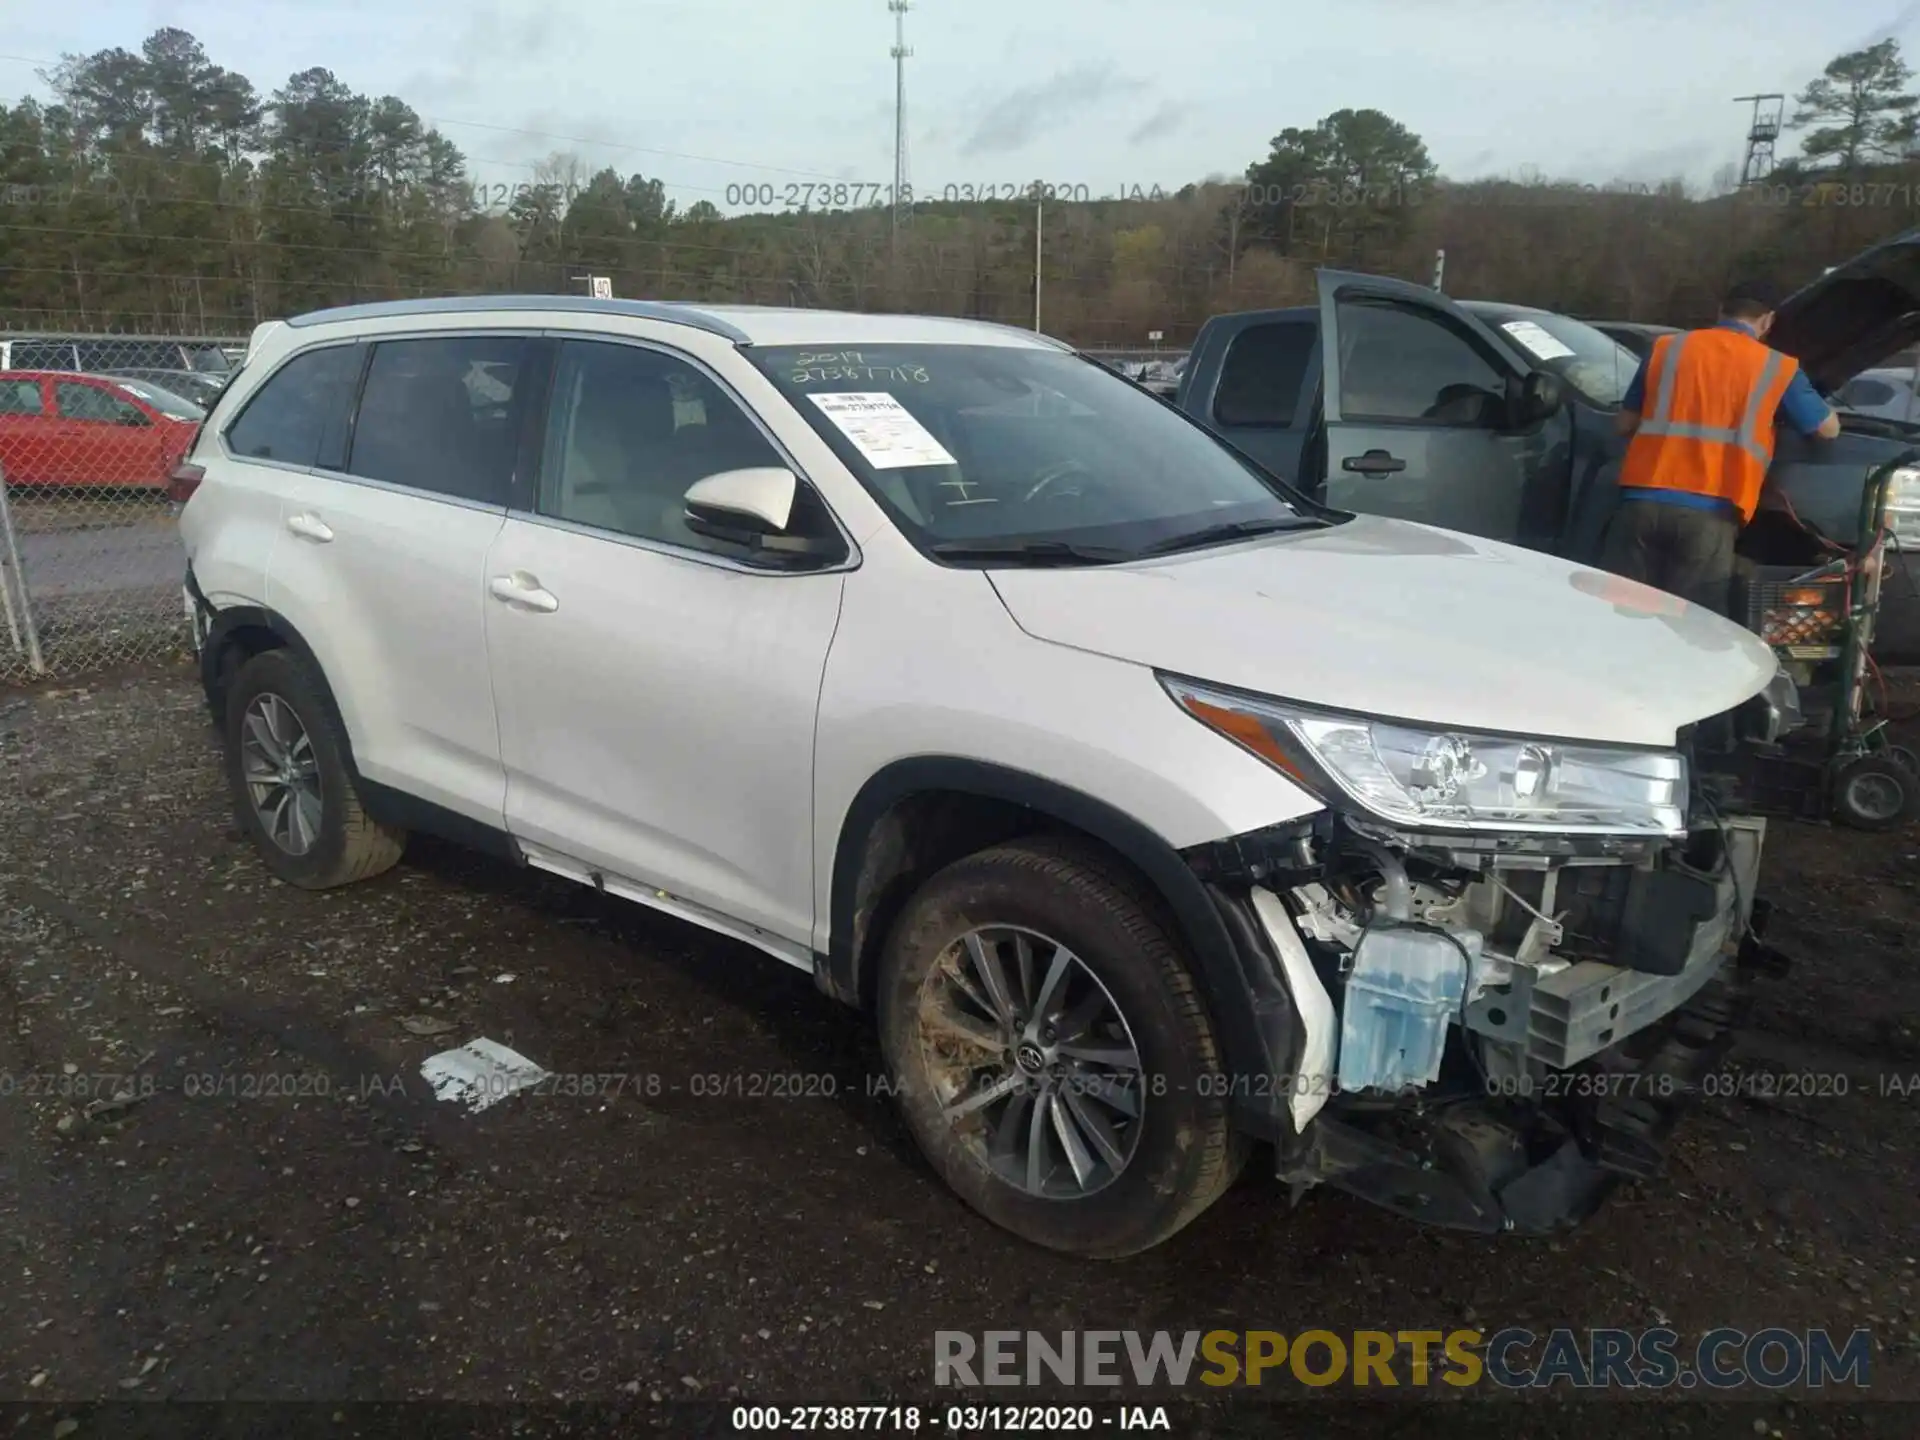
(1675, 548)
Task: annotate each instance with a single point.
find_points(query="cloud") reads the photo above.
(1169, 117)
(1019, 117)
(1893, 29)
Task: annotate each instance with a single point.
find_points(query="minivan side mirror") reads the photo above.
(1533, 399)
(753, 508)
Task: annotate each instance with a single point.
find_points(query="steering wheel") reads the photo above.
(1059, 470)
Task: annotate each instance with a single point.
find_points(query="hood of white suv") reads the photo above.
(1407, 622)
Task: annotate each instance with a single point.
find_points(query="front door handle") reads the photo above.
(1374, 462)
(524, 591)
(310, 527)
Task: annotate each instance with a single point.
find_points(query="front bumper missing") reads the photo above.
(1478, 1163)
(1492, 1164)
(1573, 1014)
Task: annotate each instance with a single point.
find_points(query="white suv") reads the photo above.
(1151, 809)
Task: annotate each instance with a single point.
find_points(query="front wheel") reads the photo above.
(1051, 1053)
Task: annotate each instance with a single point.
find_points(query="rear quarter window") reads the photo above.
(300, 407)
(42, 355)
(21, 397)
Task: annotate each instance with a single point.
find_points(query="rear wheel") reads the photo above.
(293, 792)
(1051, 1052)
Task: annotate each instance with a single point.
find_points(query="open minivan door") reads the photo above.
(1429, 416)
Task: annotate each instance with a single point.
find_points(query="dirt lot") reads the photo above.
(289, 1214)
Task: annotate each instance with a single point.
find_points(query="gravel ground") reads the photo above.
(286, 1212)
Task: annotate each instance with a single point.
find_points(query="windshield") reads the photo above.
(165, 401)
(208, 359)
(1002, 446)
(1599, 367)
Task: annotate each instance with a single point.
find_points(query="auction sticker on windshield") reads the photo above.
(883, 430)
(1543, 345)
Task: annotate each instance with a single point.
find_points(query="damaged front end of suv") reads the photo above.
(1498, 965)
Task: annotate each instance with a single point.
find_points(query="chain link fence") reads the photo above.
(92, 428)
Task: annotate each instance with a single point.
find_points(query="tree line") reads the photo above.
(158, 191)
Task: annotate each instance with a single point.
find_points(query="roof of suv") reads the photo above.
(743, 324)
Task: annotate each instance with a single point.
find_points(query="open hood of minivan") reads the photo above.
(1855, 315)
(1407, 622)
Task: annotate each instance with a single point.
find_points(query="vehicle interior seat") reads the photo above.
(591, 462)
(444, 439)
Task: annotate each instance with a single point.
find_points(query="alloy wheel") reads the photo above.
(281, 772)
(1032, 1061)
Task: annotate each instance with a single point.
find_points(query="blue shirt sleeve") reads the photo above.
(1636, 397)
(1801, 407)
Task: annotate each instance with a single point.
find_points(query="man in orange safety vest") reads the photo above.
(1699, 455)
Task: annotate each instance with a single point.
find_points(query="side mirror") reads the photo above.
(1533, 399)
(753, 508)
(135, 420)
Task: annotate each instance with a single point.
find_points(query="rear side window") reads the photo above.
(120, 354)
(304, 401)
(1266, 367)
(438, 415)
(20, 397)
(1867, 392)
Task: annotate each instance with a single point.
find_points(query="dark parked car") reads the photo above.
(94, 354)
(1496, 420)
(1636, 335)
(200, 387)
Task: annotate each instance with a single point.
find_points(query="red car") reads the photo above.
(60, 429)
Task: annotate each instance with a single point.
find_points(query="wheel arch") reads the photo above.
(235, 634)
(879, 860)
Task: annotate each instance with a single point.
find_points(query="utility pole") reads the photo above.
(900, 54)
(1039, 221)
(1234, 212)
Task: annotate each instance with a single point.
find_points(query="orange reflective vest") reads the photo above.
(1706, 425)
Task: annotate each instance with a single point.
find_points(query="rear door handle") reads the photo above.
(310, 527)
(1374, 462)
(523, 591)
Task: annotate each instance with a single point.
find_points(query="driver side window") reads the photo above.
(1403, 363)
(630, 430)
(89, 402)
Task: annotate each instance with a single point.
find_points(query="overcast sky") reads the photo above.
(1109, 94)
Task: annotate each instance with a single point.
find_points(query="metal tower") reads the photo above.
(900, 54)
(1761, 133)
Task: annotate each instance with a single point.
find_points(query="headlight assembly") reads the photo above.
(1902, 515)
(1435, 779)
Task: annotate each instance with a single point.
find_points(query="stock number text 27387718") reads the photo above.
(855, 195)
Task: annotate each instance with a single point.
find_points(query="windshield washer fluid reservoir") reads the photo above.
(1406, 985)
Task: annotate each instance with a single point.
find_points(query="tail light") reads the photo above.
(184, 480)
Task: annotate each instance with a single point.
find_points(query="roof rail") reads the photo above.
(671, 312)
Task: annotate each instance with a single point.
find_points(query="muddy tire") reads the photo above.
(1051, 1052)
(293, 792)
